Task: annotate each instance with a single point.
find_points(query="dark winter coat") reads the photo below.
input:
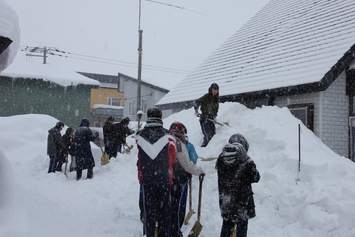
(109, 132)
(67, 139)
(236, 171)
(209, 105)
(54, 142)
(121, 132)
(156, 153)
(82, 137)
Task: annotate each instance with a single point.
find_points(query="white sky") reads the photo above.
(34, 203)
(172, 38)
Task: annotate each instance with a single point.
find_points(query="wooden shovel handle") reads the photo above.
(199, 198)
(190, 194)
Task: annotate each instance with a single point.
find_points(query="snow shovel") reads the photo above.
(129, 148)
(207, 159)
(139, 114)
(66, 165)
(234, 233)
(214, 121)
(191, 211)
(196, 229)
(104, 158)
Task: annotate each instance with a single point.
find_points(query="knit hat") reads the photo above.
(238, 138)
(154, 112)
(214, 86)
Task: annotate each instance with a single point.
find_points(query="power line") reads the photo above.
(170, 5)
(60, 53)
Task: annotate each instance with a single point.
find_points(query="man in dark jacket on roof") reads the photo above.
(209, 104)
(156, 155)
(236, 171)
(54, 145)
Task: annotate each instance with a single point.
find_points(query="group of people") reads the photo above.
(115, 135)
(166, 162)
(76, 143)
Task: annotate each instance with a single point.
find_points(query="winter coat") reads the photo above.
(82, 137)
(192, 152)
(236, 171)
(209, 105)
(109, 132)
(54, 142)
(121, 132)
(156, 153)
(67, 139)
(184, 167)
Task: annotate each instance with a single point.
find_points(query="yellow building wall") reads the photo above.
(100, 95)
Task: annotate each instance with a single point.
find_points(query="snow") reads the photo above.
(9, 28)
(318, 200)
(53, 73)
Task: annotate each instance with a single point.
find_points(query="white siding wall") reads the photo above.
(331, 122)
(148, 94)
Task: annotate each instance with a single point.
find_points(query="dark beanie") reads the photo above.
(214, 86)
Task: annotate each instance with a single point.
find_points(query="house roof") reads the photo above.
(58, 75)
(112, 81)
(289, 44)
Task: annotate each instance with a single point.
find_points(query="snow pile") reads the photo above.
(9, 28)
(317, 201)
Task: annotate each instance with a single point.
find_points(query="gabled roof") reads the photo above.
(289, 47)
(54, 74)
(108, 81)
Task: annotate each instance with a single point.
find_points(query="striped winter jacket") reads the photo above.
(156, 153)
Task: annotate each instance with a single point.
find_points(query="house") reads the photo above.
(295, 54)
(107, 100)
(27, 88)
(117, 96)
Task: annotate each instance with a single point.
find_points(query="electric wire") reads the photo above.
(60, 53)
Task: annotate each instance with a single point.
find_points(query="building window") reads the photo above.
(304, 112)
(114, 101)
(132, 107)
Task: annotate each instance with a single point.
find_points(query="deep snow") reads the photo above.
(317, 201)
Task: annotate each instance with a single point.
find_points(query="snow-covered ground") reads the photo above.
(317, 201)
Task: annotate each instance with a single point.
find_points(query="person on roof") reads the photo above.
(209, 104)
(236, 171)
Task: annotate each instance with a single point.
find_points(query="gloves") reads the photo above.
(197, 114)
(202, 173)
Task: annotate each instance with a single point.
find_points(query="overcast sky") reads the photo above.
(177, 34)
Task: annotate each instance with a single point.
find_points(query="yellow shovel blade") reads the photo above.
(105, 159)
(188, 216)
(196, 230)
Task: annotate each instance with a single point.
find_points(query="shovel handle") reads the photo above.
(200, 198)
(190, 194)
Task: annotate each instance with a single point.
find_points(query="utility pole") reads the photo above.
(39, 50)
(139, 78)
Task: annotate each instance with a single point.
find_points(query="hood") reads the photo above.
(84, 122)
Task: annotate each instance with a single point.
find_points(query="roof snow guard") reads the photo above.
(288, 47)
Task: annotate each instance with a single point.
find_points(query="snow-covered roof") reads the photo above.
(9, 28)
(54, 74)
(287, 43)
